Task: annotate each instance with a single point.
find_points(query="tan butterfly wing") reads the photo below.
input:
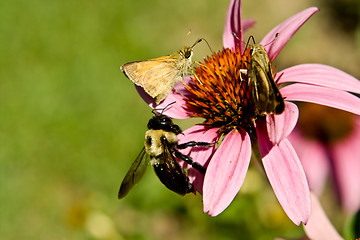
(265, 93)
(157, 76)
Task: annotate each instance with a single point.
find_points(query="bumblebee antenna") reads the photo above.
(162, 109)
(167, 106)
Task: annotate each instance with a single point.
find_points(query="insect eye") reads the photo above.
(165, 121)
(187, 54)
(251, 51)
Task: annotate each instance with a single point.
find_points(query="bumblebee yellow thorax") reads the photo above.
(153, 144)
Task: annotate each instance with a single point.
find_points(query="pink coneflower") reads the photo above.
(330, 145)
(219, 92)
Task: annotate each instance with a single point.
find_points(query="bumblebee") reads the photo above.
(161, 150)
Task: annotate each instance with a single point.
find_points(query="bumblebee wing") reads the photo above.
(156, 76)
(135, 173)
(170, 173)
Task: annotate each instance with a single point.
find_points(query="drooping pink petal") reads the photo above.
(280, 126)
(226, 172)
(322, 95)
(247, 23)
(286, 176)
(178, 110)
(322, 75)
(233, 26)
(180, 87)
(200, 155)
(174, 104)
(313, 158)
(346, 160)
(146, 97)
(319, 227)
(285, 30)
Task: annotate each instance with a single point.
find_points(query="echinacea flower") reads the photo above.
(219, 92)
(330, 145)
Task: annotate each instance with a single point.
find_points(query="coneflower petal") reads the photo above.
(322, 95)
(321, 75)
(280, 126)
(201, 155)
(226, 172)
(286, 176)
(285, 31)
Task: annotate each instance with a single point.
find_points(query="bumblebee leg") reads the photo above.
(193, 143)
(189, 160)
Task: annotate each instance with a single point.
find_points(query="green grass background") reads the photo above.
(71, 123)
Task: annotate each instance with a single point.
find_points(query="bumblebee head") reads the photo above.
(163, 122)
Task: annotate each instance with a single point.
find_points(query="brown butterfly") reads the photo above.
(157, 76)
(265, 92)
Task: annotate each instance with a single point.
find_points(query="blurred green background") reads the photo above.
(71, 123)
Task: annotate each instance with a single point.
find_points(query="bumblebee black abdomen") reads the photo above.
(173, 177)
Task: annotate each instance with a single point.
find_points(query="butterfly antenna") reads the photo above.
(276, 35)
(236, 36)
(202, 39)
(248, 41)
(187, 35)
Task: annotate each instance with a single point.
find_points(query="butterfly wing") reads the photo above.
(259, 87)
(265, 93)
(156, 76)
(276, 102)
(135, 173)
